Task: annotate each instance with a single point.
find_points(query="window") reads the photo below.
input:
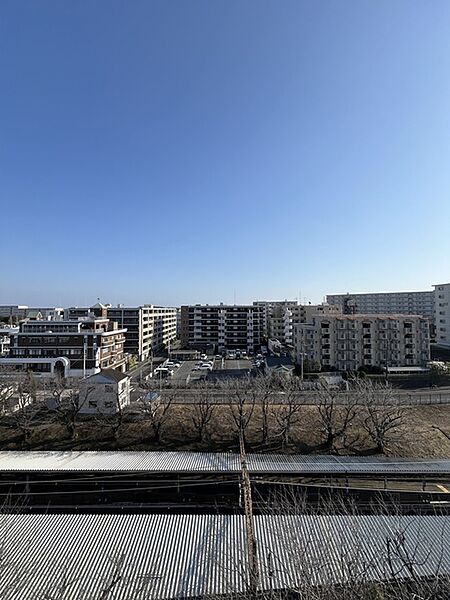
(109, 404)
(92, 403)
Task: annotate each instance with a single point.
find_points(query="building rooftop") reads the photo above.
(216, 462)
(106, 375)
(74, 556)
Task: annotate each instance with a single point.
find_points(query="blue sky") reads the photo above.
(203, 151)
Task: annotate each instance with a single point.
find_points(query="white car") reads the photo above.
(206, 367)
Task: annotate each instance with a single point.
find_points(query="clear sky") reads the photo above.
(202, 151)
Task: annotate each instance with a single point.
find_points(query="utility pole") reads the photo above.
(302, 356)
(249, 529)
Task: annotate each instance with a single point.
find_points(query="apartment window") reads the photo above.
(92, 403)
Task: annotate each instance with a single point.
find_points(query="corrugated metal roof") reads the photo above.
(211, 462)
(76, 557)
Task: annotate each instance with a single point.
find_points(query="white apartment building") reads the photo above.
(271, 308)
(348, 342)
(382, 303)
(149, 328)
(5, 339)
(442, 313)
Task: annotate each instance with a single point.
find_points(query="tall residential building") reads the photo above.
(280, 317)
(347, 342)
(149, 328)
(222, 326)
(379, 303)
(442, 313)
(74, 348)
(272, 308)
(284, 319)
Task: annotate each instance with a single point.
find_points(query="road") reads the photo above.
(189, 396)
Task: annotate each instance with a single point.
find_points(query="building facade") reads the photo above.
(149, 328)
(13, 313)
(238, 327)
(284, 318)
(348, 342)
(5, 339)
(106, 392)
(442, 314)
(386, 303)
(75, 348)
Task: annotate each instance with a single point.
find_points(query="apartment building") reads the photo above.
(149, 328)
(379, 303)
(74, 348)
(5, 339)
(271, 309)
(222, 326)
(348, 342)
(283, 320)
(442, 314)
(13, 313)
(280, 317)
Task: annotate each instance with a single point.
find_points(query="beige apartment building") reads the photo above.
(348, 342)
(442, 314)
(282, 317)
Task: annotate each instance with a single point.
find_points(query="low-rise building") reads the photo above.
(106, 392)
(67, 348)
(348, 342)
(279, 366)
(442, 314)
(221, 326)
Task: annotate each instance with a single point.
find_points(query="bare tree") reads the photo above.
(287, 410)
(397, 561)
(264, 388)
(383, 415)
(203, 410)
(66, 403)
(336, 411)
(242, 397)
(113, 420)
(25, 412)
(9, 382)
(156, 404)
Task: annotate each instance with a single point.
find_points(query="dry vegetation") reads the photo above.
(369, 422)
